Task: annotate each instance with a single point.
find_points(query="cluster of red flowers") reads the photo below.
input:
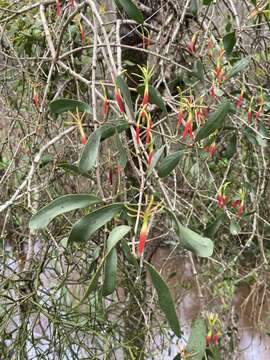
(212, 339)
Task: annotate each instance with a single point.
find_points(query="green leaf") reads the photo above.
(213, 228)
(235, 228)
(90, 223)
(198, 70)
(165, 299)
(155, 160)
(60, 206)
(154, 97)
(90, 151)
(71, 168)
(115, 236)
(122, 154)
(215, 121)
(229, 40)
(62, 105)
(121, 83)
(231, 148)
(109, 284)
(238, 67)
(108, 130)
(207, 2)
(132, 11)
(194, 7)
(196, 345)
(169, 163)
(199, 245)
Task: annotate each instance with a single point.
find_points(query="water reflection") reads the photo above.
(252, 318)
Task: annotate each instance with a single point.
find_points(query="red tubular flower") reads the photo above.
(236, 203)
(188, 129)
(212, 92)
(119, 100)
(145, 97)
(36, 101)
(208, 338)
(84, 139)
(105, 106)
(82, 34)
(212, 149)
(249, 117)
(215, 339)
(180, 118)
(143, 235)
(58, 11)
(240, 100)
(148, 130)
(222, 200)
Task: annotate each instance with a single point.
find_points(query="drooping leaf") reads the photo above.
(115, 236)
(155, 160)
(235, 228)
(132, 11)
(154, 97)
(238, 67)
(90, 152)
(108, 130)
(62, 105)
(60, 206)
(229, 40)
(121, 83)
(196, 343)
(214, 226)
(199, 245)
(169, 163)
(215, 121)
(110, 271)
(90, 223)
(231, 148)
(165, 300)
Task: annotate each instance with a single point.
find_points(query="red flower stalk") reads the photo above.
(84, 139)
(105, 106)
(58, 10)
(119, 100)
(212, 92)
(36, 101)
(137, 133)
(180, 118)
(143, 235)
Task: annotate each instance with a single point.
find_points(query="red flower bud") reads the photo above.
(236, 203)
(180, 118)
(145, 97)
(36, 101)
(188, 129)
(208, 340)
(249, 117)
(137, 134)
(143, 236)
(191, 47)
(119, 100)
(239, 101)
(213, 89)
(212, 149)
(57, 8)
(222, 200)
(215, 339)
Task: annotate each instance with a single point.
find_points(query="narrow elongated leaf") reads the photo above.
(198, 70)
(122, 154)
(115, 236)
(169, 163)
(72, 168)
(90, 152)
(235, 228)
(154, 97)
(207, 2)
(238, 67)
(215, 121)
(109, 284)
(108, 130)
(196, 343)
(165, 299)
(59, 206)
(121, 83)
(132, 11)
(229, 40)
(90, 223)
(155, 160)
(199, 245)
(62, 105)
